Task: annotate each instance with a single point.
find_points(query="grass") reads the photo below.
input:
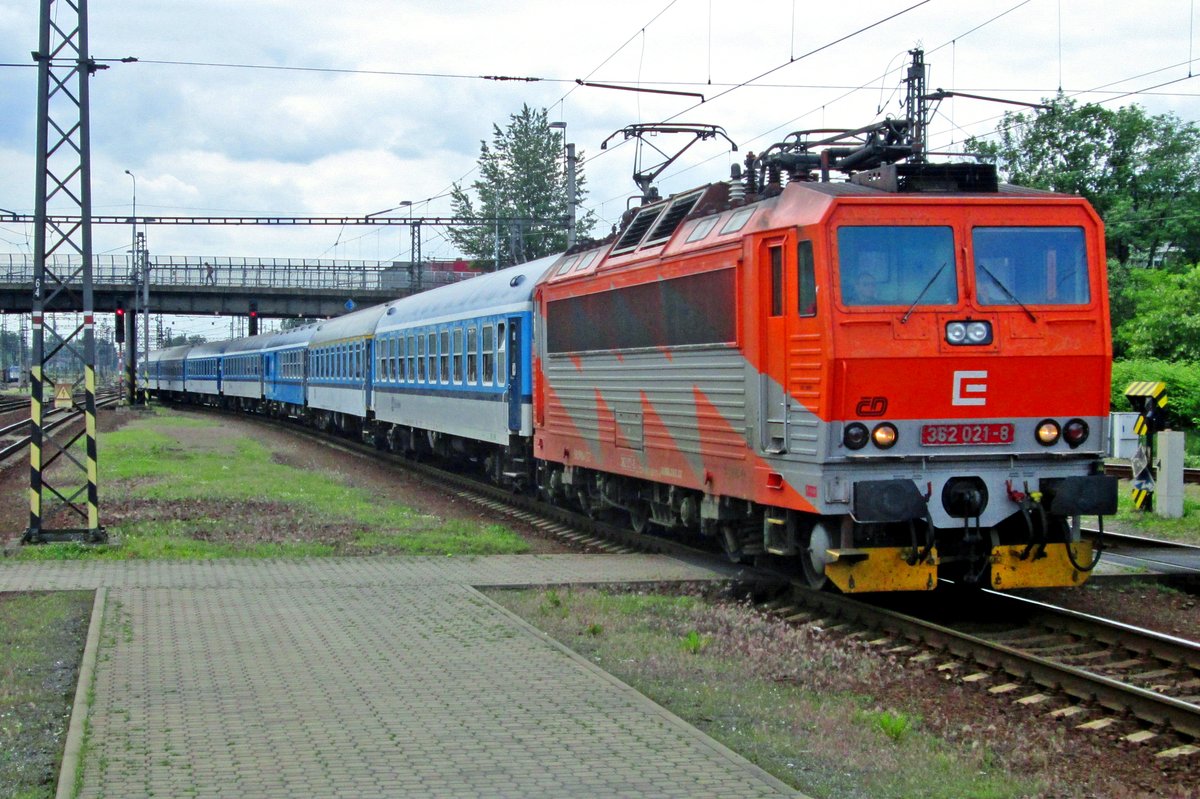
(186, 488)
(41, 639)
(1185, 529)
(775, 694)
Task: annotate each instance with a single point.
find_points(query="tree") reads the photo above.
(1140, 172)
(1163, 316)
(520, 176)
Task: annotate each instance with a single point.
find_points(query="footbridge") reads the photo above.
(275, 287)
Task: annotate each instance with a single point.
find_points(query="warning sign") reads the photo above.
(62, 395)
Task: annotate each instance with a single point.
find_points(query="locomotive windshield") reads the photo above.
(896, 265)
(1030, 265)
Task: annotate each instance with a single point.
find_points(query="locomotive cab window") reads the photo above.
(806, 281)
(1030, 266)
(776, 256)
(896, 265)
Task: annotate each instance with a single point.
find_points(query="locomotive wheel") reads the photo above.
(639, 517)
(812, 556)
(732, 544)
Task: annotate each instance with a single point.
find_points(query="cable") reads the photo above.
(791, 61)
(613, 55)
(339, 71)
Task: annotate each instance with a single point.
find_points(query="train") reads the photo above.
(881, 382)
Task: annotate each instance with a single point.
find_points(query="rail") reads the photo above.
(1125, 472)
(1034, 657)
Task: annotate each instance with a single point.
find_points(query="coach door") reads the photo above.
(512, 365)
(774, 288)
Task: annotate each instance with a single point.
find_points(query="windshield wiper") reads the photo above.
(1009, 294)
(911, 308)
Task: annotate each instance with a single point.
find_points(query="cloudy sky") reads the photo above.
(381, 101)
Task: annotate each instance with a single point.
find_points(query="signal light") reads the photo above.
(253, 310)
(1048, 432)
(884, 435)
(119, 324)
(1075, 432)
(855, 436)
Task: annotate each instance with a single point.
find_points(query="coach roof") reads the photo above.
(495, 292)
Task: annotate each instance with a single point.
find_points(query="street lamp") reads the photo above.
(570, 183)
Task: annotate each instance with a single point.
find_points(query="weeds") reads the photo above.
(894, 724)
(694, 643)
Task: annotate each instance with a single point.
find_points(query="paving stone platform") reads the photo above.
(370, 678)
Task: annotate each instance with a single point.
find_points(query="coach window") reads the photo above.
(776, 256)
(444, 356)
(501, 355)
(806, 280)
(399, 355)
(456, 355)
(431, 355)
(472, 355)
(412, 360)
(489, 357)
(420, 358)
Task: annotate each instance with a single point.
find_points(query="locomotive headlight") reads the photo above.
(1047, 432)
(1075, 432)
(979, 333)
(855, 436)
(884, 435)
(968, 333)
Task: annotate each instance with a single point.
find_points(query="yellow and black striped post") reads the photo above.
(35, 436)
(93, 484)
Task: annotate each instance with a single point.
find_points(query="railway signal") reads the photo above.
(1149, 399)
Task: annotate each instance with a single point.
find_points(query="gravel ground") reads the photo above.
(1086, 763)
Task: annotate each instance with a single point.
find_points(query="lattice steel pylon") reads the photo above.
(63, 179)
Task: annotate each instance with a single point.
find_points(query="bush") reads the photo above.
(1183, 388)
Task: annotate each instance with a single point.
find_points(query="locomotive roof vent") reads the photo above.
(679, 209)
(637, 228)
(914, 178)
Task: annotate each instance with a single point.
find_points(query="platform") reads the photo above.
(369, 678)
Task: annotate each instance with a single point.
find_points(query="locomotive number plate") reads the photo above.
(959, 435)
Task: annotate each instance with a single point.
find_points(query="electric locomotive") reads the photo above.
(893, 378)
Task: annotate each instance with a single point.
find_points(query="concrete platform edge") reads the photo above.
(719, 748)
(73, 746)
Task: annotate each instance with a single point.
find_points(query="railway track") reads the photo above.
(1171, 558)
(1125, 472)
(18, 432)
(1123, 669)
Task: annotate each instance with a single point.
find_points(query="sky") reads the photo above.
(382, 102)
